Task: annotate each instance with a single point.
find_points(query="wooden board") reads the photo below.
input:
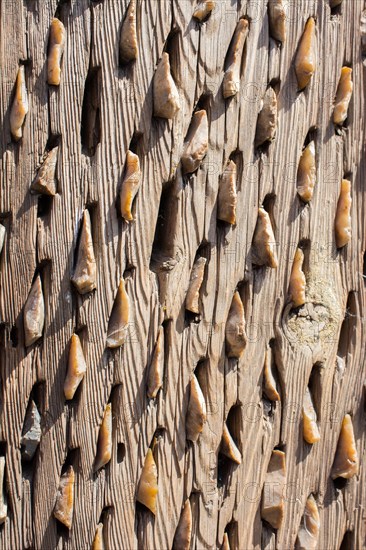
(42, 236)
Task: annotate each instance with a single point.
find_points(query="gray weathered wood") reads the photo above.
(157, 275)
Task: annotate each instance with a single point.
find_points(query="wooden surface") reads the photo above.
(157, 275)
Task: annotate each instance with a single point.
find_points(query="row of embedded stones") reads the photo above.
(166, 104)
(345, 463)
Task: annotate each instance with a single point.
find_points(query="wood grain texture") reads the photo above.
(176, 217)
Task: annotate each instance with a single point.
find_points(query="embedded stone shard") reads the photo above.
(343, 96)
(104, 448)
(64, 506)
(228, 446)
(85, 274)
(227, 197)
(231, 82)
(147, 491)
(306, 173)
(346, 458)
(269, 383)
(155, 380)
(277, 20)
(98, 542)
(307, 537)
(196, 412)
(195, 283)
(306, 55)
(225, 542)
(272, 507)
(130, 185)
(264, 244)
(118, 321)
(2, 236)
(183, 533)
(3, 500)
(31, 434)
(309, 417)
(267, 119)
(128, 45)
(34, 313)
(166, 96)
(76, 367)
(20, 106)
(343, 224)
(45, 182)
(297, 280)
(235, 335)
(196, 144)
(203, 9)
(55, 51)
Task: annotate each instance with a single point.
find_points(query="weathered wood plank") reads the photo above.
(323, 341)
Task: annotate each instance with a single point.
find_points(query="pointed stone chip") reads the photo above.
(343, 97)
(306, 55)
(118, 321)
(227, 197)
(195, 283)
(308, 534)
(203, 9)
(306, 173)
(128, 45)
(269, 383)
(3, 500)
(228, 446)
(31, 434)
(343, 222)
(183, 533)
(346, 458)
(76, 367)
(264, 244)
(310, 427)
(225, 542)
(277, 20)
(98, 542)
(297, 280)
(166, 96)
(155, 375)
(85, 273)
(19, 107)
(130, 185)
(2, 236)
(34, 313)
(45, 181)
(272, 506)
(196, 413)
(104, 448)
(147, 491)
(267, 119)
(235, 335)
(55, 51)
(64, 507)
(196, 144)
(231, 82)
